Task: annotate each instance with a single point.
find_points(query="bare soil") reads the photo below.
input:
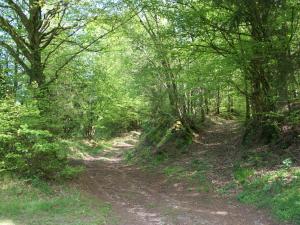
(140, 197)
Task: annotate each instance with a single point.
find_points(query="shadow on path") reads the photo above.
(144, 198)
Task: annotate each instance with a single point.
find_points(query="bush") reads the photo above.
(263, 132)
(25, 149)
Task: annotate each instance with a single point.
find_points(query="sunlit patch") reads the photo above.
(221, 213)
(213, 144)
(6, 222)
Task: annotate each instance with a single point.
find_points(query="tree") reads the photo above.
(260, 36)
(40, 24)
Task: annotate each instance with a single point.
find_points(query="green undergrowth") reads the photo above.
(278, 190)
(268, 180)
(38, 203)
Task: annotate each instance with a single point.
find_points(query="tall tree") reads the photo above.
(39, 25)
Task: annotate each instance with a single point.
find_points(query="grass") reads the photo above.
(175, 171)
(277, 190)
(38, 203)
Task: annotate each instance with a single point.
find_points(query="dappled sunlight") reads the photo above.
(123, 145)
(106, 159)
(112, 153)
(221, 213)
(90, 143)
(206, 211)
(7, 222)
(213, 144)
(154, 218)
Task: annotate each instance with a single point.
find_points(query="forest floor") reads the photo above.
(142, 196)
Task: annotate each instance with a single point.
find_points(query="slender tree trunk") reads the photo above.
(206, 104)
(202, 107)
(229, 103)
(284, 72)
(247, 101)
(218, 101)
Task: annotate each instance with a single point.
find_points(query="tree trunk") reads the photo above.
(218, 101)
(247, 100)
(229, 103)
(285, 68)
(206, 104)
(35, 37)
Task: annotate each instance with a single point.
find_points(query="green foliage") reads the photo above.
(177, 172)
(129, 156)
(278, 190)
(242, 174)
(287, 163)
(226, 189)
(36, 203)
(265, 132)
(70, 172)
(25, 149)
(293, 118)
(3, 85)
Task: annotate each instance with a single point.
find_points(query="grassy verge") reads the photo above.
(277, 190)
(38, 203)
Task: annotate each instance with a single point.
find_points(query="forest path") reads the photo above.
(139, 197)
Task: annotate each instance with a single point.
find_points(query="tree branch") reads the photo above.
(14, 54)
(84, 48)
(19, 40)
(19, 12)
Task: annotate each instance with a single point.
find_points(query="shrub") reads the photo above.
(25, 149)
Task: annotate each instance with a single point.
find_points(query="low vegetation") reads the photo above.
(277, 190)
(35, 202)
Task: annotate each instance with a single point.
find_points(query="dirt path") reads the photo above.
(144, 198)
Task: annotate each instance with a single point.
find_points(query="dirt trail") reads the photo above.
(144, 198)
